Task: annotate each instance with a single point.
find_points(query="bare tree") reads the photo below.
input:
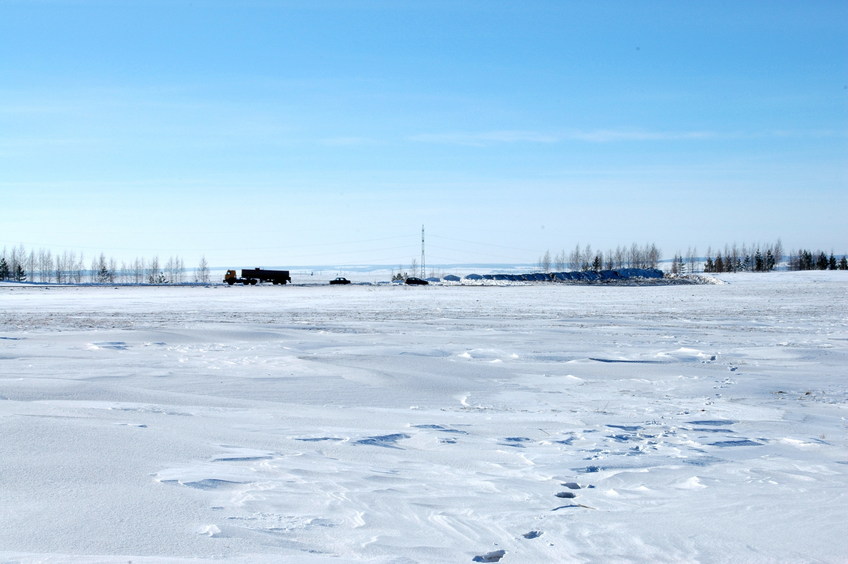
(79, 269)
(777, 252)
(633, 257)
(154, 275)
(14, 262)
(691, 258)
(31, 265)
(653, 256)
(545, 262)
(620, 253)
(575, 257)
(202, 273)
(587, 259)
(560, 261)
(45, 260)
(174, 270)
(138, 271)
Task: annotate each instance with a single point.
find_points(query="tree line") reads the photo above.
(586, 259)
(767, 258)
(730, 258)
(69, 267)
(816, 260)
(736, 258)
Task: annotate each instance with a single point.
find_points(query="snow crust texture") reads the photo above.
(399, 424)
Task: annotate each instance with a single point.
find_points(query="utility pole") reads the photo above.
(423, 268)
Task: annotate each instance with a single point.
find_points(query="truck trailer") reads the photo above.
(255, 275)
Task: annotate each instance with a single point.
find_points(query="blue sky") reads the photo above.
(328, 132)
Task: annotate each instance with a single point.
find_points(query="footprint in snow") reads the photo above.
(494, 556)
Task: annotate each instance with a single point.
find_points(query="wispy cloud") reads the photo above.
(347, 141)
(485, 138)
(613, 135)
(488, 138)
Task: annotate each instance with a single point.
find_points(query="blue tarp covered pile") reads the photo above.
(584, 276)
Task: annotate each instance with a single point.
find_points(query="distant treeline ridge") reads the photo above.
(732, 258)
(21, 265)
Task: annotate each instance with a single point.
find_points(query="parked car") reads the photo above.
(416, 281)
(340, 280)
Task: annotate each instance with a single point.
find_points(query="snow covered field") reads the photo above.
(530, 423)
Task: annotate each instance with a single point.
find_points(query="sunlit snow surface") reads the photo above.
(528, 423)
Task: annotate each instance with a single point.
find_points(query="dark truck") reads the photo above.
(254, 275)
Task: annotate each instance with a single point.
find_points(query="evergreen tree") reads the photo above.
(821, 262)
(843, 264)
(20, 273)
(104, 275)
(805, 260)
(759, 262)
(678, 266)
(597, 263)
(831, 262)
(4, 269)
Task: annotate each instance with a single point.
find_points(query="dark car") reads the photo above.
(413, 281)
(340, 280)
